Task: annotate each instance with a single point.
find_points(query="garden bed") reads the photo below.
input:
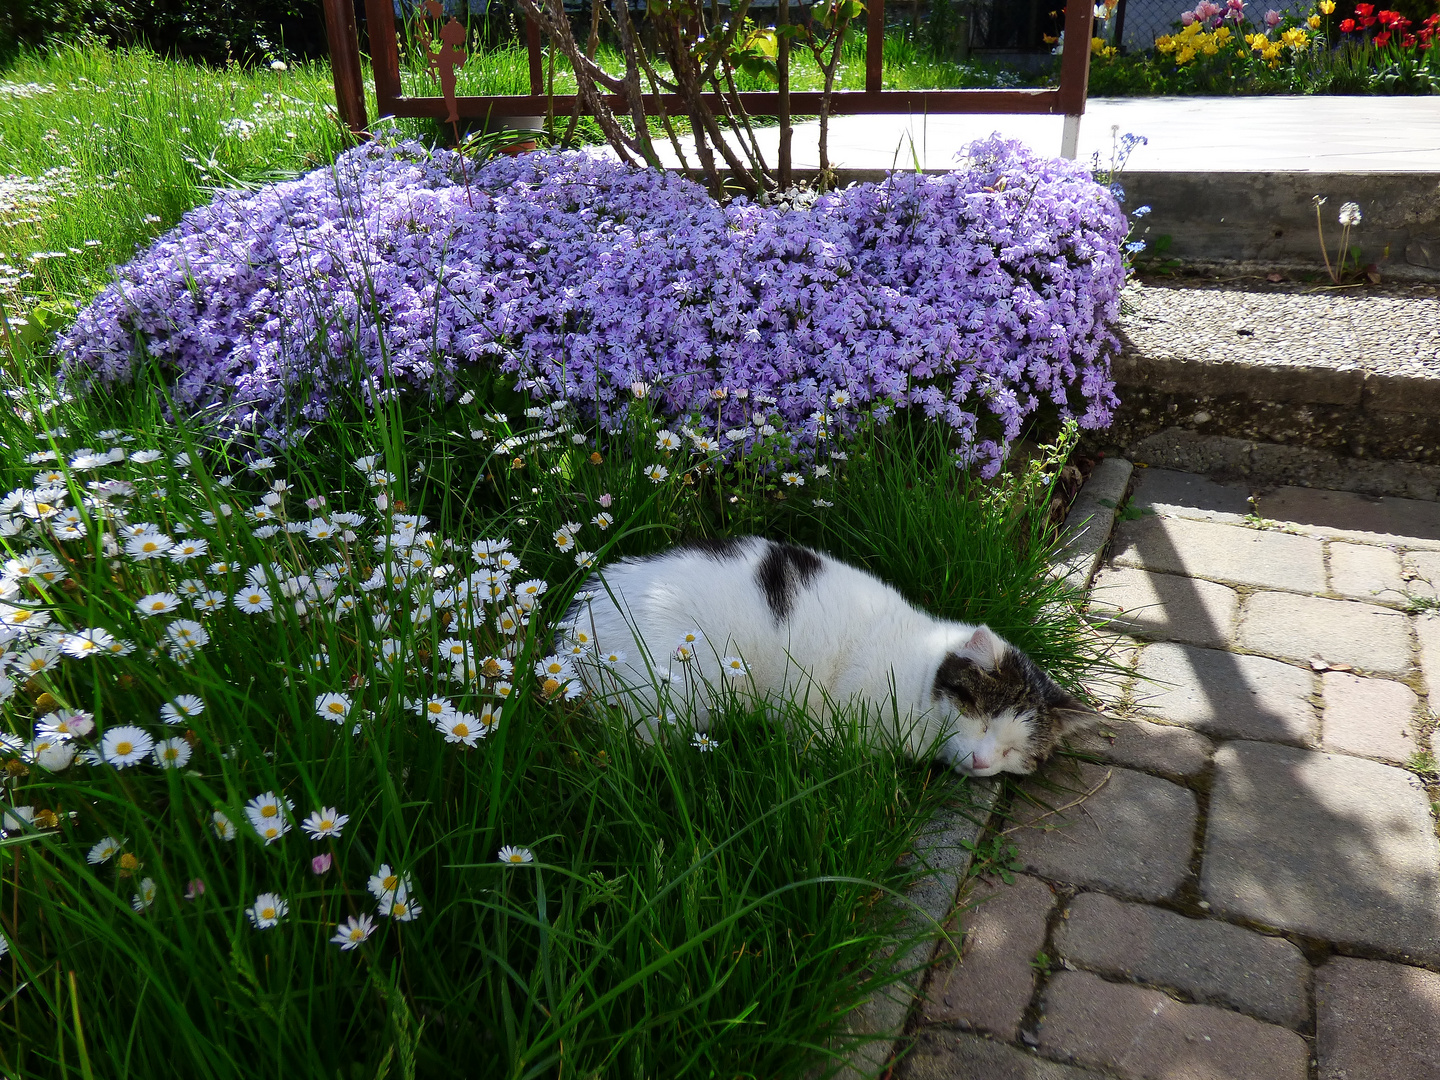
(323, 800)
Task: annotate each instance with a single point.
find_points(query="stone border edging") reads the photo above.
(941, 846)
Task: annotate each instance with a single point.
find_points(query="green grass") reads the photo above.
(687, 912)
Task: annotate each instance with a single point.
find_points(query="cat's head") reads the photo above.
(1011, 713)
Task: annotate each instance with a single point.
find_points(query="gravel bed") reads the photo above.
(1389, 331)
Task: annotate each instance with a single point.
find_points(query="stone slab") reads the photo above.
(1346, 515)
(990, 987)
(1332, 847)
(1373, 718)
(1210, 961)
(1366, 572)
(1427, 630)
(1182, 494)
(1090, 521)
(1229, 554)
(1142, 1034)
(1300, 628)
(1377, 1021)
(1164, 607)
(1139, 744)
(953, 1055)
(1133, 836)
(1227, 695)
(1423, 579)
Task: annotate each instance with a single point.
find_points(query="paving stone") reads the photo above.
(991, 985)
(1227, 695)
(1333, 847)
(1142, 1034)
(1133, 836)
(1427, 629)
(1346, 515)
(1212, 961)
(1139, 744)
(1370, 717)
(1300, 628)
(952, 1055)
(1189, 495)
(1228, 553)
(1366, 572)
(1377, 1021)
(1164, 606)
(1425, 566)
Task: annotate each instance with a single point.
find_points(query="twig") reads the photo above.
(1061, 809)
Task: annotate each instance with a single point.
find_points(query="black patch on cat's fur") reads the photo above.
(717, 547)
(1018, 683)
(784, 571)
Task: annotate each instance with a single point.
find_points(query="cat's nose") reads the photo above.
(977, 763)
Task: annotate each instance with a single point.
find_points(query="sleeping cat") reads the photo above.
(777, 620)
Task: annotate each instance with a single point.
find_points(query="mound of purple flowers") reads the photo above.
(988, 290)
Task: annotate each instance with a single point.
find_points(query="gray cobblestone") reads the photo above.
(1224, 553)
(1377, 1021)
(1300, 628)
(1132, 836)
(1371, 717)
(1164, 607)
(1211, 961)
(1226, 695)
(1366, 572)
(1143, 1034)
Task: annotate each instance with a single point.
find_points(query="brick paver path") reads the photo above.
(1251, 887)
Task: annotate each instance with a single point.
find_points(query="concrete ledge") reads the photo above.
(1269, 217)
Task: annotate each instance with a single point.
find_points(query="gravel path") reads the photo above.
(1392, 332)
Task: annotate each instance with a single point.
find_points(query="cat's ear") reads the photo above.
(1072, 714)
(984, 647)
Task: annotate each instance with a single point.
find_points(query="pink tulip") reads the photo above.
(1186, 18)
(1272, 19)
(194, 888)
(321, 863)
(606, 500)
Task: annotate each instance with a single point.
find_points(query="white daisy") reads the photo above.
(104, 851)
(253, 600)
(666, 440)
(187, 634)
(400, 908)
(185, 550)
(657, 473)
(267, 816)
(384, 883)
(792, 479)
(324, 822)
(734, 667)
(124, 746)
(172, 753)
(352, 932)
(146, 896)
(461, 727)
(150, 545)
(267, 911)
(161, 603)
(515, 856)
(224, 827)
(181, 709)
(36, 660)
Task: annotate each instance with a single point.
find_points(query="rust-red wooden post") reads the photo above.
(874, 45)
(532, 47)
(344, 40)
(1075, 72)
(384, 54)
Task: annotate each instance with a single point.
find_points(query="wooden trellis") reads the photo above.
(1068, 99)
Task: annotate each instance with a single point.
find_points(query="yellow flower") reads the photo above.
(1185, 55)
(1165, 43)
(1222, 35)
(1100, 49)
(1314, 22)
(1327, 7)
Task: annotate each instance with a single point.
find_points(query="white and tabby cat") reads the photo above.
(780, 621)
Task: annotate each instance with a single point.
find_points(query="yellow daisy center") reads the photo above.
(462, 730)
(124, 747)
(269, 811)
